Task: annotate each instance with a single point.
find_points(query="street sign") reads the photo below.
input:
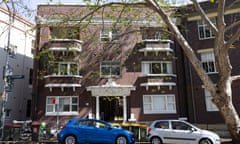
(17, 76)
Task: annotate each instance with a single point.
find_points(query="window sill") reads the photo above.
(211, 73)
(161, 112)
(56, 75)
(61, 113)
(146, 75)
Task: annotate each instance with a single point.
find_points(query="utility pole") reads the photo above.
(7, 72)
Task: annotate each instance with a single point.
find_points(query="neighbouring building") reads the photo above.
(200, 107)
(18, 33)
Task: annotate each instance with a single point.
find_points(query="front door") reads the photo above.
(111, 108)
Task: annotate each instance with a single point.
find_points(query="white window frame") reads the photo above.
(109, 35)
(205, 29)
(149, 107)
(208, 59)
(210, 106)
(110, 64)
(60, 105)
(146, 67)
(69, 68)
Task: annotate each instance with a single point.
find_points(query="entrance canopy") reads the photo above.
(111, 89)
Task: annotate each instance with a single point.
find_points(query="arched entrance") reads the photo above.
(118, 94)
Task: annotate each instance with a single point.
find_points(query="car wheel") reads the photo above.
(155, 140)
(121, 140)
(205, 141)
(70, 140)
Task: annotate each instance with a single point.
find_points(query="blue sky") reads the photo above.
(32, 4)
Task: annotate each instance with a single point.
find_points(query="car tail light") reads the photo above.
(149, 129)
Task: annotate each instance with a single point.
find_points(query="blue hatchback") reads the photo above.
(77, 131)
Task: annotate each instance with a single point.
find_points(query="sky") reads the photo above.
(32, 5)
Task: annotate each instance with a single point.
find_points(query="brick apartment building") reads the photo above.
(117, 66)
(201, 38)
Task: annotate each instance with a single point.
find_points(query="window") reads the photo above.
(107, 35)
(29, 107)
(30, 77)
(158, 67)
(153, 35)
(159, 104)
(162, 125)
(204, 31)
(65, 68)
(210, 106)
(177, 125)
(110, 69)
(62, 105)
(33, 47)
(208, 62)
(64, 33)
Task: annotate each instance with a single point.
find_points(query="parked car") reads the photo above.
(179, 132)
(77, 131)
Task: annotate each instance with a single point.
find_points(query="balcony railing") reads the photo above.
(156, 45)
(63, 81)
(65, 45)
(160, 81)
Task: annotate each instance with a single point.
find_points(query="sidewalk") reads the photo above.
(223, 141)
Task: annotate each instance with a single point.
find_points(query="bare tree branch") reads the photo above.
(236, 77)
(184, 44)
(233, 25)
(235, 36)
(232, 4)
(204, 16)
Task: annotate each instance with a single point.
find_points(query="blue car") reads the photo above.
(77, 131)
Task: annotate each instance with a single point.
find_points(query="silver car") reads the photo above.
(179, 132)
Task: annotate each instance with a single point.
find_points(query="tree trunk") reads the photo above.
(230, 116)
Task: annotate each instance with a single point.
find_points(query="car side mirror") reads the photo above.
(109, 127)
(192, 129)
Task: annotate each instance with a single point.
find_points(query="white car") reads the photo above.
(179, 132)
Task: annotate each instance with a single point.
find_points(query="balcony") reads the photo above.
(156, 45)
(62, 81)
(65, 45)
(160, 81)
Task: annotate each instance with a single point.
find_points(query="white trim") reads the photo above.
(158, 84)
(158, 40)
(55, 112)
(172, 75)
(55, 75)
(62, 85)
(160, 111)
(65, 49)
(155, 49)
(61, 113)
(65, 40)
